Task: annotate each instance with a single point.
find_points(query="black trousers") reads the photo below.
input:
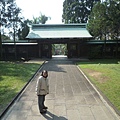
(41, 100)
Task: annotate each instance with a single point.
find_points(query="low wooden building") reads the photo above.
(80, 43)
(71, 34)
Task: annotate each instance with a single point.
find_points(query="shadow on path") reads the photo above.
(50, 116)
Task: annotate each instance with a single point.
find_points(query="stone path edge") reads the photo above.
(20, 93)
(102, 96)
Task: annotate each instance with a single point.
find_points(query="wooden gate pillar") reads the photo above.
(39, 50)
(68, 48)
(78, 47)
(50, 50)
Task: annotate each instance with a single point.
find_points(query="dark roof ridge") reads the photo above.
(81, 25)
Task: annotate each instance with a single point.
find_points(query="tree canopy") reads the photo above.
(10, 17)
(13, 23)
(24, 29)
(104, 20)
(42, 19)
(77, 11)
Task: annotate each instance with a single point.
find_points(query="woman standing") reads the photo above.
(42, 89)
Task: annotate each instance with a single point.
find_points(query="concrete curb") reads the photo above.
(107, 103)
(20, 93)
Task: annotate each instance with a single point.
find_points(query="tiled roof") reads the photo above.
(58, 31)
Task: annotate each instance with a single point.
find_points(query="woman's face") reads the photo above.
(45, 74)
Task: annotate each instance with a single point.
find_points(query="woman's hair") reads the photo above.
(44, 71)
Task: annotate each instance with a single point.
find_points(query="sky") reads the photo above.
(49, 8)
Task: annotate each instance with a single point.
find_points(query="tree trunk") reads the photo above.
(0, 46)
(117, 48)
(104, 48)
(14, 41)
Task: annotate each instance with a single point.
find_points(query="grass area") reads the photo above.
(105, 74)
(13, 76)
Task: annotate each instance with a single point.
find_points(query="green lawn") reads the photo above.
(105, 74)
(13, 76)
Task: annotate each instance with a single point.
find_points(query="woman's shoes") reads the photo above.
(45, 107)
(43, 111)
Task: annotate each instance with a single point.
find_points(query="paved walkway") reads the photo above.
(71, 97)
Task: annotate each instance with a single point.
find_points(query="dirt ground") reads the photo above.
(96, 75)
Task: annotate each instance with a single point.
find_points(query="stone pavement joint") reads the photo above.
(71, 97)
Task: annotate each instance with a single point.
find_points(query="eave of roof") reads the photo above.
(103, 41)
(58, 31)
(19, 43)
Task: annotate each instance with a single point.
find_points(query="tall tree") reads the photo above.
(24, 30)
(77, 11)
(41, 19)
(113, 11)
(104, 20)
(14, 20)
(11, 18)
(97, 21)
(3, 19)
(114, 18)
(2, 22)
